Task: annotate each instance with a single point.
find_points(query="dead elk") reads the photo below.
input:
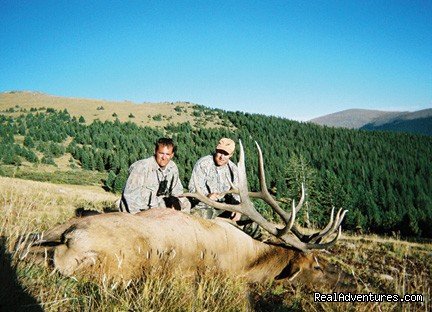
(125, 246)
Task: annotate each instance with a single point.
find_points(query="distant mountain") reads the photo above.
(353, 118)
(414, 122)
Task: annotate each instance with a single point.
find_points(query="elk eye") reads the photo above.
(318, 268)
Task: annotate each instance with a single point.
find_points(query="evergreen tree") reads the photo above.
(28, 142)
(109, 183)
(99, 163)
(298, 172)
(120, 181)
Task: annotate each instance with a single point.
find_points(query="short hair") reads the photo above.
(165, 142)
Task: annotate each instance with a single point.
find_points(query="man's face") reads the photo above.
(163, 155)
(221, 157)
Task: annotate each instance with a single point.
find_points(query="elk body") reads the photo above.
(125, 246)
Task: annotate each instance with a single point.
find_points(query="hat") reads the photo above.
(226, 145)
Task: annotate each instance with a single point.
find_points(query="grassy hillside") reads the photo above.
(143, 114)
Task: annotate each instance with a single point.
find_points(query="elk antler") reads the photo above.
(246, 207)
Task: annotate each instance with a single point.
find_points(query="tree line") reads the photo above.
(382, 178)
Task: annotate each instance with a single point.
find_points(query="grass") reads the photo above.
(49, 174)
(373, 264)
(154, 292)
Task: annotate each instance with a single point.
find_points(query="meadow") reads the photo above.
(380, 265)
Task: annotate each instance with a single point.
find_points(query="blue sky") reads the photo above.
(295, 59)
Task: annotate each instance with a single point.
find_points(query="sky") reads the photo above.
(294, 59)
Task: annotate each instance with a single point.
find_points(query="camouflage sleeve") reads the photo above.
(177, 187)
(198, 176)
(132, 192)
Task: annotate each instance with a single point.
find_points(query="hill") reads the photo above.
(143, 114)
(414, 122)
(417, 122)
(353, 118)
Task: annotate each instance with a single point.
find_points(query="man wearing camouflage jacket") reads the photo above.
(154, 182)
(214, 175)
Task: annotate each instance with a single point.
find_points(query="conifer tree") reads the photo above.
(109, 183)
(120, 181)
(28, 142)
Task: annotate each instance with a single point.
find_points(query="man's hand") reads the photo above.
(235, 216)
(213, 196)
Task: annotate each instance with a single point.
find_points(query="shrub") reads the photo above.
(48, 160)
(157, 117)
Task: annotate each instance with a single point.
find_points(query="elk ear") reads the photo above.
(290, 272)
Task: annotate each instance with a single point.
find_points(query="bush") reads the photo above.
(48, 160)
(11, 159)
(157, 117)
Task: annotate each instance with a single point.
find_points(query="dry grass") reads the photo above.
(374, 264)
(35, 206)
(88, 108)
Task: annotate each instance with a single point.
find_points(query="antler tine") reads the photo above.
(326, 245)
(338, 221)
(243, 184)
(287, 218)
(330, 228)
(293, 215)
(336, 224)
(233, 190)
(330, 225)
(302, 198)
